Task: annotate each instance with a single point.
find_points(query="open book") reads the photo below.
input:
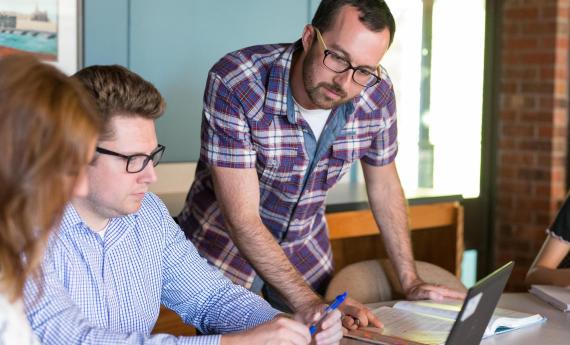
(557, 296)
(429, 322)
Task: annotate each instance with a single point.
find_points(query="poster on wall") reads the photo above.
(48, 29)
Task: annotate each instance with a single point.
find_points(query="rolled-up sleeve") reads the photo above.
(225, 133)
(384, 147)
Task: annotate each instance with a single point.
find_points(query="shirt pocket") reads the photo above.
(278, 169)
(342, 157)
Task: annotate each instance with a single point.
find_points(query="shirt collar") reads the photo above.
(277, 94)
(72, 220)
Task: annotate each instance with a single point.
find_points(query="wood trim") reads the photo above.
(361, 223)
(459, 241)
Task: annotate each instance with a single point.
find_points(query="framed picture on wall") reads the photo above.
(48, 29)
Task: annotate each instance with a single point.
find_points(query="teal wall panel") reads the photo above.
(313, 4)
(105, 32)
(173, 43)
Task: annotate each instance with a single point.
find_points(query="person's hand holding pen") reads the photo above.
(324, 322)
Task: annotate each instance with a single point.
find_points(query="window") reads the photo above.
(436, 65)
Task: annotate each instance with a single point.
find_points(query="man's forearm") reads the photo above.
(388, 205)
(259, 247)
(237, 192)
(392, 217)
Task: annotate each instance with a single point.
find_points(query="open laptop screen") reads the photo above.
(478, 308)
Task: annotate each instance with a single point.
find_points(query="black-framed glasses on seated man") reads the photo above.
(363, 76)
(137, 162)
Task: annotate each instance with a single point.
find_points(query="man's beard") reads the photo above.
(315, 92)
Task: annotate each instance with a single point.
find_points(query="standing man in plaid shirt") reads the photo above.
(281, 124)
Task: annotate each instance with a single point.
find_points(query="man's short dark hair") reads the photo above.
(374, 14)
(119, 91)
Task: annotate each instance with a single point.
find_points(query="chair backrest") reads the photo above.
(374, 281)
(355, 237)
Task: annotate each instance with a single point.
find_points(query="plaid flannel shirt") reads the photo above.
(248, 122)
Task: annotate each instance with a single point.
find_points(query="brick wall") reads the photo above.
(533, 128)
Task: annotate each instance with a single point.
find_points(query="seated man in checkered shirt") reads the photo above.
(118, 255)
(281, 125)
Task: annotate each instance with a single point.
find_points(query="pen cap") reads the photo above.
(338, 300)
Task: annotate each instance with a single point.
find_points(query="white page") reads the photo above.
(512, 319)
(446, 309)
(416, 327)
(555, 295)
(449, 309)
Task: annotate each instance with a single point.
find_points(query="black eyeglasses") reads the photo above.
(137, 162)
(338, 64)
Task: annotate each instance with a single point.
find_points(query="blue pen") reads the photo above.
(337, 301)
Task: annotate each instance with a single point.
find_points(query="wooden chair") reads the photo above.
(169, 322)
(374, 281)
(436, 231)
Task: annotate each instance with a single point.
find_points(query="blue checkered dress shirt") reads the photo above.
(109, 291)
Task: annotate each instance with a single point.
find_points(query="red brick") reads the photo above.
(506, 143)
(547, 72)
(516, 187)
(562, 42)
(535, 145)
(536, 116)
(548, 12)
(545, 131)
(522, 13)
(508, 87)
(529, 102)
(518, 130)
(531, 165)
(537, 87)
(507, 173)
(544, 29)
(547, 43)
(521, 43)
(544, 159)
(537, 57)
(561, 73)
(530, 174)
(546, 101)
(518, 157)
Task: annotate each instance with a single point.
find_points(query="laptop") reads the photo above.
(478, 308)
(467, 329)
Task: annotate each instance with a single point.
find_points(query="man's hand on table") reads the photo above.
(356, 314)
(421, 290)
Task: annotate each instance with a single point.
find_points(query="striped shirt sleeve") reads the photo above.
(201, 294)
(56, 319)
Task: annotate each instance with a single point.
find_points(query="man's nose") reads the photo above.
(148, 174)
(344, 79)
